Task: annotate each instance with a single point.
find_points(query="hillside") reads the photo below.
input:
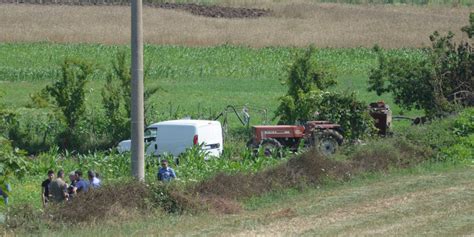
(418, 202)
(416, 181)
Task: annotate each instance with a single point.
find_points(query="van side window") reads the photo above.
(150, 132)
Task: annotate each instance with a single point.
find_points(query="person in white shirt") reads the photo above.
(94, 181)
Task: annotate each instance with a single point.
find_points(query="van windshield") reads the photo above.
(150, 132)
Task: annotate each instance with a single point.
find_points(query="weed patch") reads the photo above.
(109, 201)
(312, 168)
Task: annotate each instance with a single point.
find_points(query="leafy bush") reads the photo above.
(464, 124)
(307, 99)
(448, 139)
(12, 160)
(33, 130)
(436, 135)
(434, 83)
(12, 163)
(463, 150)
(305, 80)
(174, 198)
(69, 96)
(117, 98)
(469, 29)
(345, 110)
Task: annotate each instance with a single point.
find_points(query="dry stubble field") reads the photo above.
(292, 23)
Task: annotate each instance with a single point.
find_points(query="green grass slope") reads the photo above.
(433, 201)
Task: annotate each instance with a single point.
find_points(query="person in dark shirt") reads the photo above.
(70, 189)
(45, 185)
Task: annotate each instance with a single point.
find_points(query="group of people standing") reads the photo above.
(57, 190)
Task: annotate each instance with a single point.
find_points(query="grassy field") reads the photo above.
(293, 23)
(192, 77)
(434, 200)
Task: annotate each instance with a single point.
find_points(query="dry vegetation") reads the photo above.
(437, 203)
(295, 23)
(221, 194)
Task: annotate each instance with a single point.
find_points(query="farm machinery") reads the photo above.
(272, 138)
(324, 135)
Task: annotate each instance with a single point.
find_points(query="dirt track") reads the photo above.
(217, 11)
(213, 11)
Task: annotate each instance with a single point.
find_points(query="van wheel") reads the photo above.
(271, 147)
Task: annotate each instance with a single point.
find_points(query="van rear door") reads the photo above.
(211, 136)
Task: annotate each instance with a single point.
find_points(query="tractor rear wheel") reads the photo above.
(271, 147)
(328, 141)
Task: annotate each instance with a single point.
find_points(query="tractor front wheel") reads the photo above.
(271, 147)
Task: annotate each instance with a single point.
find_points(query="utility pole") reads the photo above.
(138, 125)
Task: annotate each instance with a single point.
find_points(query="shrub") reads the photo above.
(464, 124)
(33, 130)
(469, 30)
(305, 80)
(12, 163)
(345, 110)
(307, 100)
(462, 151)
(435, 135)
(68, 93)
(435, 83)
(117, 98)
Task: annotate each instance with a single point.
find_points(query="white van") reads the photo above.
(175, 136)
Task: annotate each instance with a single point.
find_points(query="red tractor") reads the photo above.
(272, 138)
(326, 136)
